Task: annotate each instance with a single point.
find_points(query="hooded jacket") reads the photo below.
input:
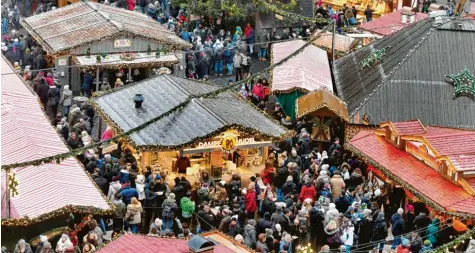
(337, 184)
(332, 213)
(203, 195)
(27, 247)
(398, 227)
(140, 186)
(380, 228)
(307, 192)
(433, 231)
(187, 207)
(262, 38)
(249, 236)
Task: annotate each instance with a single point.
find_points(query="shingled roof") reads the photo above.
(411, 81)
(201, 118)
(82, 23)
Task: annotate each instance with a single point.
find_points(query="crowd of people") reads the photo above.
(302, 197)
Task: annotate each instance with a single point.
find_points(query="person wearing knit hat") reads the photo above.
(325, 249)
(397, 227)
(427, 247)
(239, 238)
(380, 231)
(169, 207)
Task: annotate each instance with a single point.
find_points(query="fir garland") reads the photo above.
(59, 157)
(456, 242)
(405, 185)
(293, 17)
(50, 234)
(76, 209)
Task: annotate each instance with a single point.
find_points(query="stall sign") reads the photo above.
(109, 148)
(122, 43)
(279, 17)
(62, 62)
(215, 144)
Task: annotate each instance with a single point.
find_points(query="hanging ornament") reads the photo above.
(464, 83)
(13, 184)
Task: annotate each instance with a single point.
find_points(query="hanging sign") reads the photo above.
(109, 148)
(215, 144)
(122, 43)
(279, 17)
(228, 143)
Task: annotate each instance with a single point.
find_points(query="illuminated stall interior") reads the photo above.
(223, 134)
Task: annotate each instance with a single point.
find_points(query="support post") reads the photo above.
(333, 44)
(98, 79)
(129, 79)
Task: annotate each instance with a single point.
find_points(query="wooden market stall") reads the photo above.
(392, 80)
(109, 42)
(306, 71)
(207, 134)
(343, 43)
(325, 110)
(430, 167)
(38, 199)
(393, 22)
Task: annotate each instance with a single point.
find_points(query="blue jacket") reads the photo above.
(87, 82)
(127, 193)
(397, 224)
(228, 56)
(433, 231)
(185, 36)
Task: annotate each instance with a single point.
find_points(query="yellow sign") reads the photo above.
(228, 142)
(279, 17)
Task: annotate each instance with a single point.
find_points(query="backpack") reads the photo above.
(335, 239)
(168, 211)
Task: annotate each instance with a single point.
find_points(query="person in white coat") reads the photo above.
(140, 187)
(66, 99)
(64, 244)
(114, 188)
(347, 236)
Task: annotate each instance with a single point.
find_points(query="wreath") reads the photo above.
(127, 56)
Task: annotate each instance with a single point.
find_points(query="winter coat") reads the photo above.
(27, 248)
(278, 218)
(250, 200)
(262, 38)
(433, 231)
(380, 229)
(179, 191)
(135, 212)
(337, 184)
(261, 225)
(288, 187)
(397, 223)
(249, 236)
(43, 93)
(402, 249)
(422, 221)
(365, 231)
(171, 203)
(120, 208)
(281, 177)
(131, 5)
(228, 56)
(127, 193)
(307, 192)
(262, 247)
(347, 236)
(140, 187)
(187, 207)
(237, 60)
(102, 184)
(203, 195)
(333, 237)
(87, 82)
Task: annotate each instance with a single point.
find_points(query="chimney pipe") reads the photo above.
(138, 99)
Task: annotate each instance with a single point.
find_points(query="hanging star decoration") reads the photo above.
(376, 56)
(13, 185)
(464, 83)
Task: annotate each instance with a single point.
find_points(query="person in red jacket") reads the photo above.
(268, 173)
(308, 191)
(131, 5)
(250, 201)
